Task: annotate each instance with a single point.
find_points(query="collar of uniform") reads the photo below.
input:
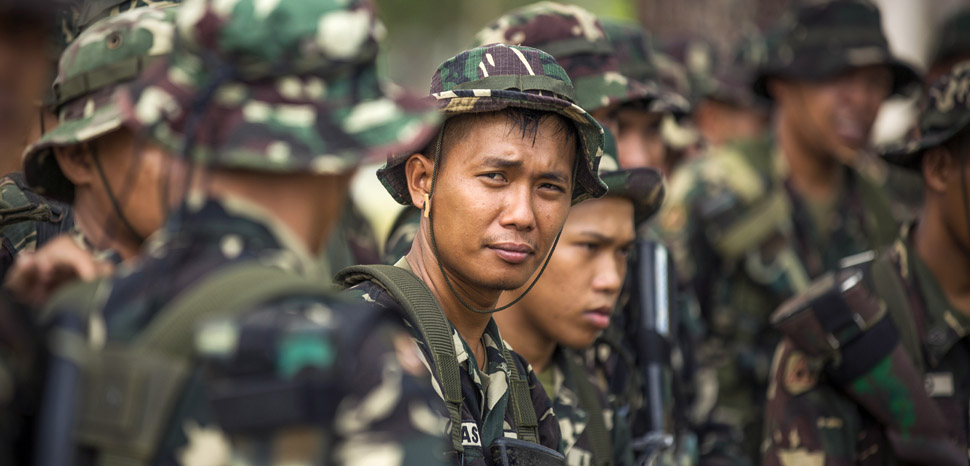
(943, 326)
(292, 254)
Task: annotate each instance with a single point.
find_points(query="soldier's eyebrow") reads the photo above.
(493, 161)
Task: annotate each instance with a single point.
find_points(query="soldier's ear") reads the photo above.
(419, 169)
(937, 165)
(75, 162)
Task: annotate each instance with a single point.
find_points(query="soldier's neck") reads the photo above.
(945, 256)
(813, 175)
(525, 338)
(470, 325)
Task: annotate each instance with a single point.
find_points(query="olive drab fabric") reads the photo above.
(495, 76)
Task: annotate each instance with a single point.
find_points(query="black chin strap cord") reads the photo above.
(434, 245)
(119, 212)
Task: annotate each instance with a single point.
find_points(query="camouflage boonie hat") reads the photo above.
(497, 76)
(287, 86)
(641, 62)
(92, 71)
(954, 38)
(643, 186)
(81, 14)
(945, 112)
(820, 41)
(577, 41)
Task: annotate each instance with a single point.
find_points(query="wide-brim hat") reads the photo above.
(459, 87)
(275, 92)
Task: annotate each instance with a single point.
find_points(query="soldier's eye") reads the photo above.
(494, 176)
(552, 187)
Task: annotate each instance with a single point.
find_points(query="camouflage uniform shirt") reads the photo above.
(810, 421)
(210, 235)
(484, 413)
(744, 241)
(27, 219)
(574, 418)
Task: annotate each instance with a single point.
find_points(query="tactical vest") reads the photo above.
(865, 344)
(424, 312)
(119, 396)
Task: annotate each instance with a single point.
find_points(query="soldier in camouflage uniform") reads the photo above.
(276, 107)
(491, 215)
(562, 316)
(854, 384)
(749, 229)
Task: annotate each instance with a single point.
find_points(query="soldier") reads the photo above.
(275, 107)
(565, 312)
(495, 190)
(749, 229)
(888, 387)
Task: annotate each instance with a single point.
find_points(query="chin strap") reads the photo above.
(434, 245)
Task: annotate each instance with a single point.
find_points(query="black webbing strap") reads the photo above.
(423, 310)
(599, 437)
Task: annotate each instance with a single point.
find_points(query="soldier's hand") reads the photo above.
(36, 276)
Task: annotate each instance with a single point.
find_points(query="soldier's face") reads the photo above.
(835, 116)
(575, 298)
(500, 200)
(639, 142)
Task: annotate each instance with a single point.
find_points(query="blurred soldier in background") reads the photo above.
(854, 384)
(495, 190)
(561, 317)
(244, 238)
(749, 229)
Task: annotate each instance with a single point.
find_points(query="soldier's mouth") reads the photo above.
(513, 253)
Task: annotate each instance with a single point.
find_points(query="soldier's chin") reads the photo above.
(504, 283)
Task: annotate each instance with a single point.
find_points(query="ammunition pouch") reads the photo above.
(514, 452)
(838, 321)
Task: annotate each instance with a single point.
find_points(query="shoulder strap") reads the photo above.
(423, 310)
(890, 288)
(226, 293)
(599, 437)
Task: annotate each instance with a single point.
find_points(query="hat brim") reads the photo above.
(643, 186)
(40, 166)
(253, 126)
(904, 75)
(464, 101)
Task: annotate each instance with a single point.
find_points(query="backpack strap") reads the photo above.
(599, 437)
(890, 287)
(423, 310)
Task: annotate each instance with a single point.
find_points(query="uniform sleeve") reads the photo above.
(806, 420)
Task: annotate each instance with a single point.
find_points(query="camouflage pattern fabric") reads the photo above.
(944, 113)
(27, 219)
(574, 418)
(300, 97)
(352, 242)
(811, 421)
(743, 242)
(823, 39)
(485, 412)
(576, 39)
(92, 71)
(402, 233)
(78, 15)
(493, 77)
(641, 61)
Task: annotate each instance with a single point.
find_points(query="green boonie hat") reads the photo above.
(576, 39)
(497, 76)
(954, 38)
(945, 112)
(287, 86)
(823, 40)
(92, 71)
(641, 62)
(643, 186)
